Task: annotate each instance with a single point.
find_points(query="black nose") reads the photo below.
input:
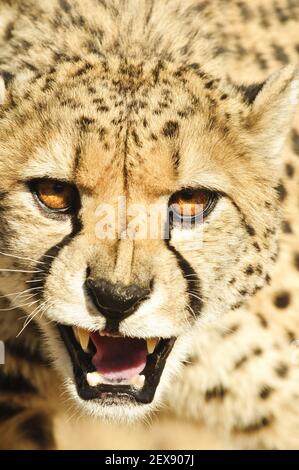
(115, 301)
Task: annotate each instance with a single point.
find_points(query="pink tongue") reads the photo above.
(119, 358)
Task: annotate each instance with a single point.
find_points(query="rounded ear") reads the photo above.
(272, 109)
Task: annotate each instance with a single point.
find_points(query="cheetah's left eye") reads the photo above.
(191, 205)
(58, 196)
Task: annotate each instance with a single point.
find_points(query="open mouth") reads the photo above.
(107, 367)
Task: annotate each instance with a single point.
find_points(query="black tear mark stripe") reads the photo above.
(48, 258)
(10, 410)
(192, 280)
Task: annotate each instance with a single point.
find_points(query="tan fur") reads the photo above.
(108, 95)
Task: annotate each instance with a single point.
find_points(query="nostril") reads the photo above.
(115, 300)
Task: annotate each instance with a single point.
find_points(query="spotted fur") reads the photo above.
(142, 98)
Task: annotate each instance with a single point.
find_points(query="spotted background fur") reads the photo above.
(173, 80)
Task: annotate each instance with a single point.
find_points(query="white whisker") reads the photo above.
(19, 293)
(18, 306)
(21, 257)
(35, 280)
(40, 308)
(19, 271)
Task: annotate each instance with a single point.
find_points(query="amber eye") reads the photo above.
(191, 205)
(55, 195)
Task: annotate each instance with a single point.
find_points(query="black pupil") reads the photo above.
(187, 195)
(59, 188)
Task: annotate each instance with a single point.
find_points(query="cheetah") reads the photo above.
(109, 106)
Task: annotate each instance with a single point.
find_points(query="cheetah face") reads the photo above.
(118, 303)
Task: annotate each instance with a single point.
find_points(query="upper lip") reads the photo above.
(82, 365)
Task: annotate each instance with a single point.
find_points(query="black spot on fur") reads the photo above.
(282, 193)
(282, 300)
(82, 70)
(259, 270)
(282, 370)
(230, 330)
(171, 129)
(7, 76)
(217, 392)
(84, 122)
(290, 170)
(264, 422)
(262, 62)
(245, 11)
(256, 246)
(136, 138)
(64, 4)
(102, 109)
(295, 141)
(243, 292)
(13, 383)
(262, 320)
(176, 159)
(209, 84)
(286, 227)
(280, 54)
(19, 349)
(296, 260)
(290, 336)
(250, 230)
(9, 410)
(241, 362)
(257, 351)
(9, 31)
(265, 392)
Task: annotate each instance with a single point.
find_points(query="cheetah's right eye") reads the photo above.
(55, 195)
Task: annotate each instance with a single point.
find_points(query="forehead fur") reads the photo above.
(122, 128)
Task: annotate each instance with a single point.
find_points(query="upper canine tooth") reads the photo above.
(83, 338)
(151, 344)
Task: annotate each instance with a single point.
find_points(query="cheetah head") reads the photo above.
(132, 200)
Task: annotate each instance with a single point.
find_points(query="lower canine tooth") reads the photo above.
(93, 378)
(83, 338)
(151, 344)
(138, 381)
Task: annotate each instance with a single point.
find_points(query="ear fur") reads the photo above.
(271, 112)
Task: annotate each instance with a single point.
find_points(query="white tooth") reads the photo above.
(83, 338)
(138, 381)
(94, 378)
(151, 344)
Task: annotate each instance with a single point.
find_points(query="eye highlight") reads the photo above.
(191, 205)
(55, 195)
